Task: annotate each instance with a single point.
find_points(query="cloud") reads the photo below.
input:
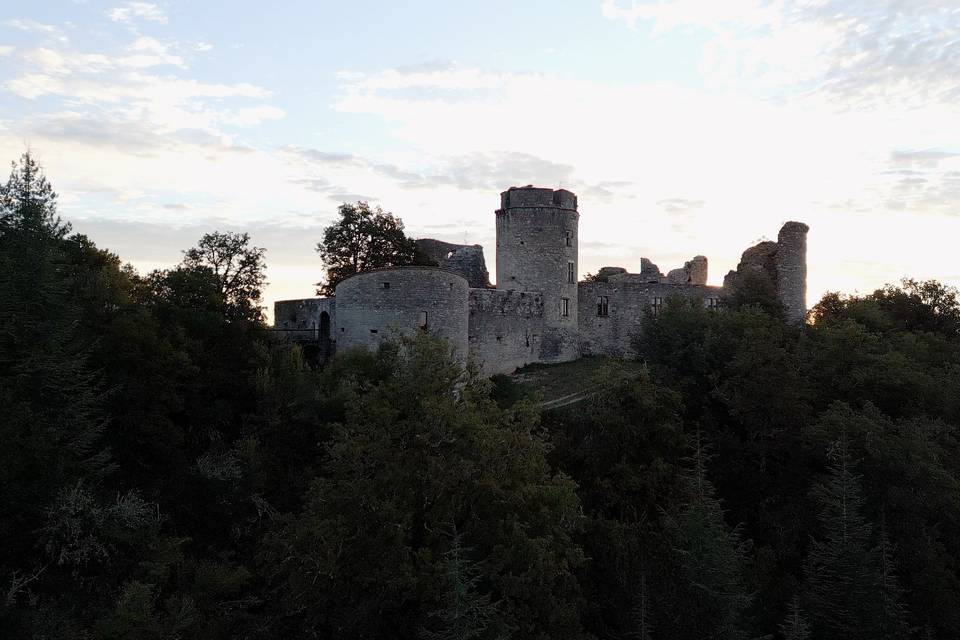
(483, 171)
(147, 52)
(90, 129)
(680, 206)
(132, 11)
(857, 54)
(5, 50)
(926, 157)
(249, 116)
(52, 31)
(47, 60)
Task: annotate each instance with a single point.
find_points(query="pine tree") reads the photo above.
(852, 586)
(51, 415)
(838, 562)
(712, 556)
(795, 627)
(890, 618)
(465, 613)
(641, 613)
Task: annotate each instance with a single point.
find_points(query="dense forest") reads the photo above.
(171, 469)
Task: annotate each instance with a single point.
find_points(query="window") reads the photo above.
(656, 305)
(564, 307)
(384, 285)
(713, 304)
(603, 306)
(423, 320)
(569, 239)
(571, 273)
(373, 331)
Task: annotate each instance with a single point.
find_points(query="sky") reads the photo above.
(685, 126)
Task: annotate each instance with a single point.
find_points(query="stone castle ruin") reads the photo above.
(538, 311)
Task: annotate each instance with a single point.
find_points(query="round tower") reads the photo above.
(792, 270)
(376, 305)
(537, 251)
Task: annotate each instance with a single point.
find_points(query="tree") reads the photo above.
(236, 268)
(712, 557)
(852, 587)
(464, 613)
(361, 240)
(423, 449)
(795, 627)
(58, 529)
(28, 202)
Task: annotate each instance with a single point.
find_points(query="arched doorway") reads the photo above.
(324, 326)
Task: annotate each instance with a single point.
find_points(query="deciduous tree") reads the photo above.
(362, 239)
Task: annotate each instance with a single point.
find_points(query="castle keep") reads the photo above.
(538, 311)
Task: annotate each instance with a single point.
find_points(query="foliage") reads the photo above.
(222, 273)
(795, 627)
(362, 239)
(171, 470)
(423, 453)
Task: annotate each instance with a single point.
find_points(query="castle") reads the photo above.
(538, 311)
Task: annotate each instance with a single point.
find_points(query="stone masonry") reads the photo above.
(538, 311)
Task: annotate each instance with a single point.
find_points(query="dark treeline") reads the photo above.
(168, 469)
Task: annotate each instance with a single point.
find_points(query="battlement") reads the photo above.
(530, 196)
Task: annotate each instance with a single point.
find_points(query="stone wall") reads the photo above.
(465, 259)
(692, 272)
(627, 305)
(779, 266)
(377, 305)
(538, 312)
(792, 270)
(506, 328)
(537, 251)
(302, 320)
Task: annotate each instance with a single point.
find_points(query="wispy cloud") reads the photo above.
(49, 30)
(859, 54)
(131, 11)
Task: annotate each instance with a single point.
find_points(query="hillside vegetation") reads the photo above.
(169, 469)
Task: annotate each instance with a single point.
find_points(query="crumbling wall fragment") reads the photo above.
(465, 259)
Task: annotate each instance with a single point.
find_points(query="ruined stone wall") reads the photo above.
(692, 272)
(506, 328)
(627, 304)
(465, 259)
(537, 251)
(377, 305)
(780, 267)
(792, 270)
(300, 320)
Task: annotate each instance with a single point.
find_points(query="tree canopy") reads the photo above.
(171, 469)
(362, 239)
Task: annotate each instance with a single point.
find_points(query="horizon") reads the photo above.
(684, 129)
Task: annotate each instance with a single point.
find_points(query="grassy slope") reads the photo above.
(556, 385)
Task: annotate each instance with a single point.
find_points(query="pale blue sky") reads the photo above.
(686, 126)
